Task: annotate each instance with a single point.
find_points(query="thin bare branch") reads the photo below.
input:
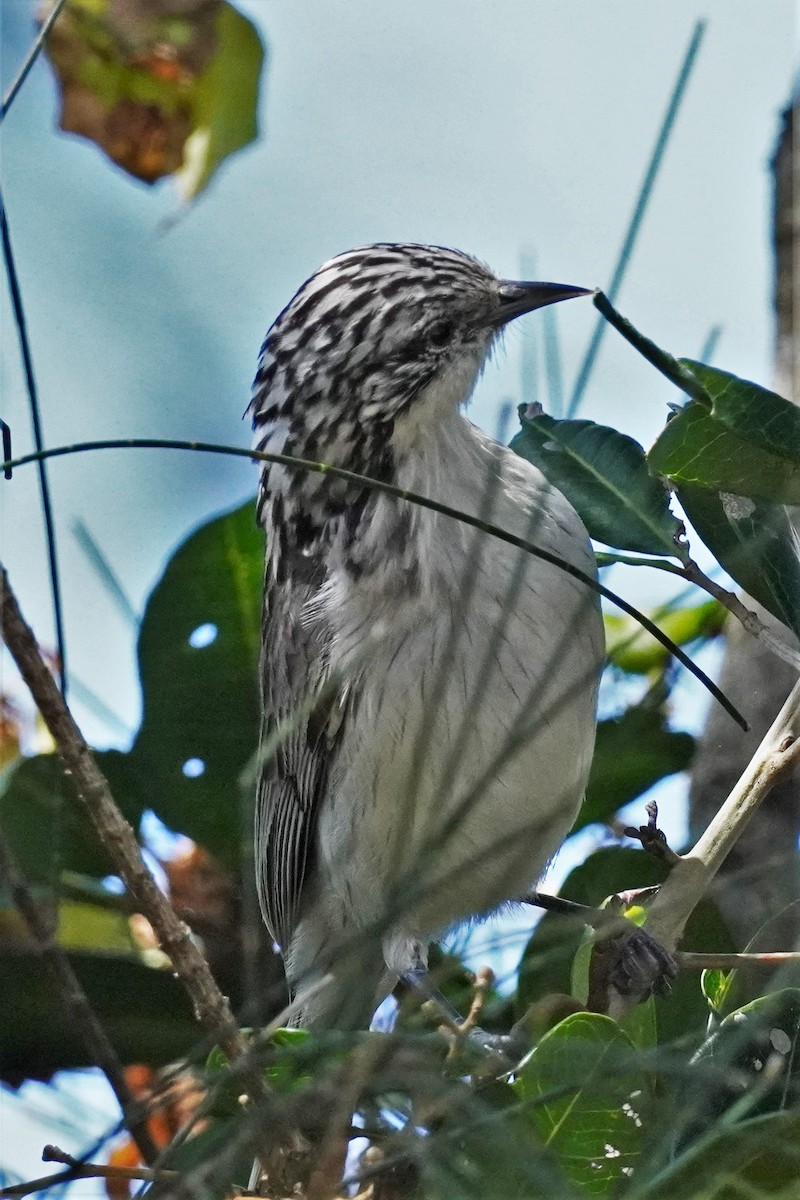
(83, 1170)
(748, 619)
(211, 1007)
(103, 1171)
(689, 880)
(42, 1184)
(691, 572)
(399, 493)
(691, 961)
(31, 57)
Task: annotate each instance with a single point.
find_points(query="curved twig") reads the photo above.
(391, 489)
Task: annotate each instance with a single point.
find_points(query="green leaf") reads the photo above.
(632, 752)
(756, 543)
(198, 664)
(641, 1025)
(208, 1150)
(736, 1053)
(83, 926)
(697, 449)
(747, 1068)
(287, 1036)
(761, 417)
(597, 1128)
(757, 1158)
(225, 101)
(286, 1071)
(604, 475)
(145, 1012)
(633, 649)
(45, 822)
(716, 986)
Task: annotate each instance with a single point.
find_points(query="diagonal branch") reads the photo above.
(691, 877)
(692, 572)
(82, 1170)
(211, 1007)
(390, 489)
(31, 57)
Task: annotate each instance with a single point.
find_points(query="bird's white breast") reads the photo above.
(473, 723)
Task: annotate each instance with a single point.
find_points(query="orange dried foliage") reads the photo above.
(172, 1108)
(10, 730)
(199, 888)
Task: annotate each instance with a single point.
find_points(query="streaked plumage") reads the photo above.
(449, 762)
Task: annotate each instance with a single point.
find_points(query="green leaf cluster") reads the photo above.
(198, 650)
(672, 1099)
(731, 456)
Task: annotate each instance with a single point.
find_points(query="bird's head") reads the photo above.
(377, 346)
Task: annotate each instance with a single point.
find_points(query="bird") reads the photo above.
(429, 691)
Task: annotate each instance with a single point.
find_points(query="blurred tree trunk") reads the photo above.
(762, 875)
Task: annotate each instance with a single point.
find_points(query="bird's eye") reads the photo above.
(439, 333)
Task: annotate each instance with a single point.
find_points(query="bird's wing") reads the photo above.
(293, 781)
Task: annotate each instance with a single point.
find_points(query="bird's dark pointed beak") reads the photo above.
(518, 298)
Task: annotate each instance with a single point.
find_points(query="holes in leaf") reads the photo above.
(204, 635)
(193, 768)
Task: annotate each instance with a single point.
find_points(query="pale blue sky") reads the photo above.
(493, 127)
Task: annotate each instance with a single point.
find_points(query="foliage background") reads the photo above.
(497, 129)
(510, 131)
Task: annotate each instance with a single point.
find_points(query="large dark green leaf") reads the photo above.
(766, 1028)
(145, 1012)
(755, 543)
(758, 1158)
(45, 822)
(695, 448)
(604, 475)
(749, 1058)
(597, 1128)
(760, 416)
(632, 752)
(198, 662)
